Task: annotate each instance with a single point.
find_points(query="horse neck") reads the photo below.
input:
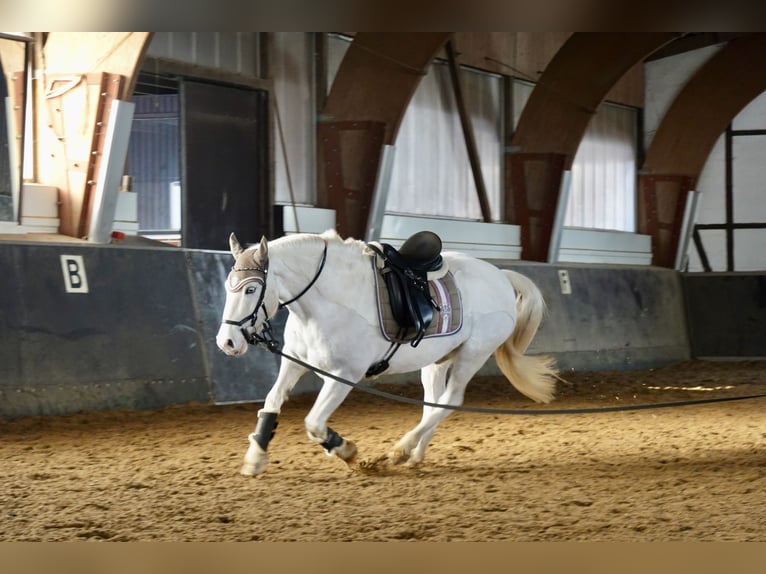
(294, 262)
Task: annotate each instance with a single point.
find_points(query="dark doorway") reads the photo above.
(224, 165)
(199, 157)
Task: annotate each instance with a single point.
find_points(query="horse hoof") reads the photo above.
(413, 462)
(248, 470)
(398, 456)
(252, 468)
(347, 452)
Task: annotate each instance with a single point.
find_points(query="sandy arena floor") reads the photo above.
(690, 473)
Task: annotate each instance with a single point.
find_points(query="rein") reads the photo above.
(272, 346)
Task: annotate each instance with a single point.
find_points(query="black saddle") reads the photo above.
(405, 274)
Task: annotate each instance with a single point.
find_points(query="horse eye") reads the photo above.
(250, 290)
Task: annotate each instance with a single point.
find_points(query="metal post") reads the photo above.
(380, 194)
(687, 226)
(14, 159)
(111, 170)
(558, 218)
(729, 200)
(470, 140)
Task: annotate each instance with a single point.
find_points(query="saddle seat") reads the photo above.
(406, 273)
(421, 253)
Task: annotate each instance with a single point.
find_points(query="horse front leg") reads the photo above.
(328, 400)
(256, 457)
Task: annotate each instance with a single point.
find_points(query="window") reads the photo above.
(153, 159)
(603, 189)
(431, 173)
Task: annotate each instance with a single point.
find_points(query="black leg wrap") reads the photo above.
(333, 440)
(264, 430)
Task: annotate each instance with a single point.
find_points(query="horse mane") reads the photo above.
(330, 235)
(350, 254)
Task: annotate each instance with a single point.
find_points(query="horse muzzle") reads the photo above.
(231, 340)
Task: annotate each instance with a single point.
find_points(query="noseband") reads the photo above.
(260, 274)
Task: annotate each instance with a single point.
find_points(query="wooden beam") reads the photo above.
(83, 74)
(574, 84)
(535, 181)
(661, 203)
(701, 112)
(118, 53)
(554, 121)
(717, 92)
(468, 135)
(351, 153)
(362, 113)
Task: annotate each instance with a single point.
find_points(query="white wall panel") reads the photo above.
(714, 241)
(611, 247)
(749, 155)
(293, 72)
(521, 92)
(750, 249)
(749, 195)
(712, 180)
(231, 51)
(603, 189)
(486, 240)
(432, 174)
(664, 79)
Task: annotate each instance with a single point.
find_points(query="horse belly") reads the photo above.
(432, 350)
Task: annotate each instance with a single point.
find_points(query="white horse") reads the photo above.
(329, 287)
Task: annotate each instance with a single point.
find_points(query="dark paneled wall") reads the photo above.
(727, 314)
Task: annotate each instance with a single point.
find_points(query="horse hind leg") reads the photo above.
(434, 380)
(412, 446)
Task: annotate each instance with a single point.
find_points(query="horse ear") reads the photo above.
(234, 245)
(261, 254)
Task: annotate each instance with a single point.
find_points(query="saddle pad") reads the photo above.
(445, 322)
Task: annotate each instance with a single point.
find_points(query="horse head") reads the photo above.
(248, 301)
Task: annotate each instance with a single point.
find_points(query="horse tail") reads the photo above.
(534, 376)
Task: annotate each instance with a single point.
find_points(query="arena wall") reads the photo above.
(87, 327)
(727, 314)
(614, 318)
(90, 327)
